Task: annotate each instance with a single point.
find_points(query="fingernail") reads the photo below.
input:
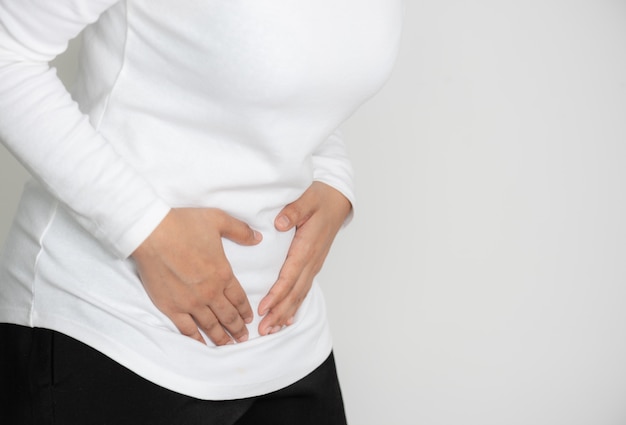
(248, 320)
(266, 304)
(290, 321)
(257, 236)
(283, 222)
(243, 338)
(276, 329)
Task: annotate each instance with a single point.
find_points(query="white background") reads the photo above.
(483, 280)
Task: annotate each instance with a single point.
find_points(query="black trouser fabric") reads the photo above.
(47, 378)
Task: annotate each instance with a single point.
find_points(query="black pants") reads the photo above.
(47, 378)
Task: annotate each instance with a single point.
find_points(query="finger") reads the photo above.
(232, 289)
(239, 300)
(187, 326)
(229, 319)
(269, 324)
(206, 319)
(238, 231)
(298, 258)
(283, 313)
(297, 212)
(289, 274)
(274, 322)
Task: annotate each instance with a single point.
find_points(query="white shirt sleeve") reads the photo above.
(331, 165)
(43, 127)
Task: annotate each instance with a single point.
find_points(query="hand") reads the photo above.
(184, 271)
(317, 215)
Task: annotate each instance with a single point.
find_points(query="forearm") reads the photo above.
(44, 128)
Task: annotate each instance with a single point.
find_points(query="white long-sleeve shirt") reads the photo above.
(232, 104)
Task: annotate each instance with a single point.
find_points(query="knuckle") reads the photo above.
(224, 273)
(166, 308)
(209, 293)
(229, 319)
(240, 303)
(210, 326)
(238, 332)
(297, 302)
(222, 339)
(294, 211)
(279, 320)
(278, 312)
(192, 304)
(187, 328)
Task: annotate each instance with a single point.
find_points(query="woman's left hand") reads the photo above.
(317, 215)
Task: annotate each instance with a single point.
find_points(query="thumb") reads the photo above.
(297, 212)
(239, 232)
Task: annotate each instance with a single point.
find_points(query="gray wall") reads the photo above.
(483, 279)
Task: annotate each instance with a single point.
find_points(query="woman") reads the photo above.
(161, 268)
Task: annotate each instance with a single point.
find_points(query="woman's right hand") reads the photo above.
(185, 272)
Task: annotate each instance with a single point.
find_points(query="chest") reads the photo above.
(270, 48)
